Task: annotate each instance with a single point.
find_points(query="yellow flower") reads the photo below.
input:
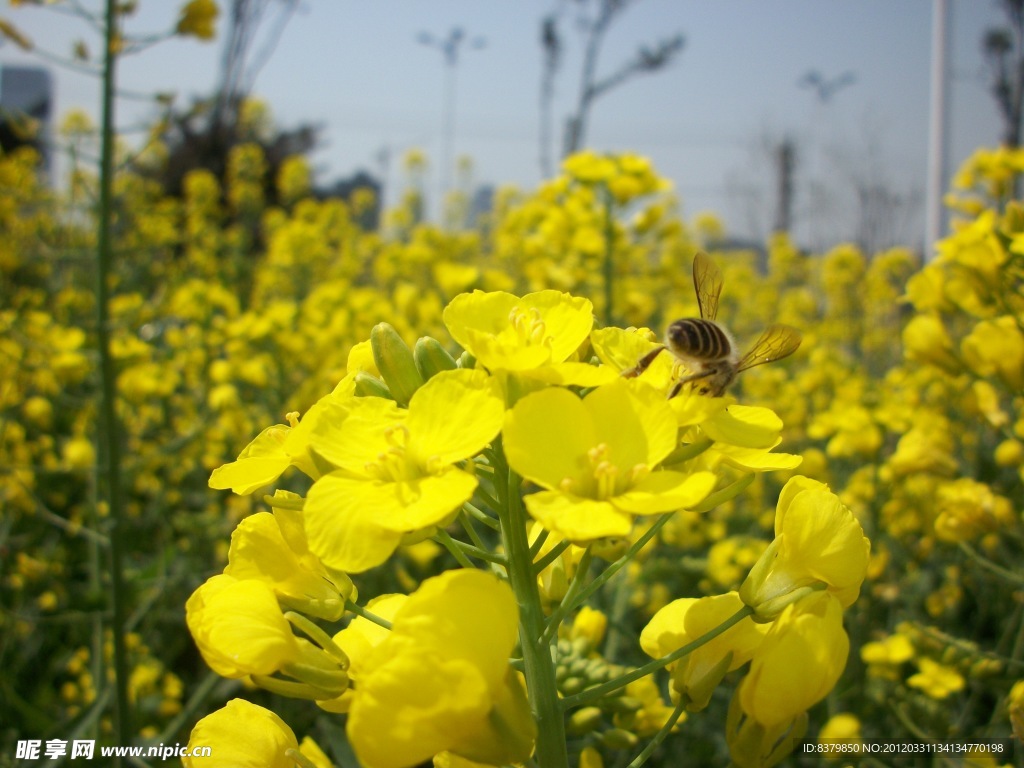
(927, 447)
(533, 335)
(968, 509)
(596, 459)
(273, 548)
(884, 656)
(925, 340)
(358, 640)
(589, 168)
(996, 347)
(197, 19)
(397, 470)
(275, 449)
(440, 681)
(937, 680)
(239, 628)
(744, 436)
(683, 621)
(242, 735)
(842, 728)
(817, 542)
(654, 713)
(797, 663)
(241, 632)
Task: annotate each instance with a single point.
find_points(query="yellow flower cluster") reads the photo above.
(508, 435)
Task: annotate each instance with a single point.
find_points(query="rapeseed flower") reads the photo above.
(596, 459)
(266, 458)
(532, 337)
(798, 661)
(938, 681)
(273, 549)
(818, 544)
(683, 621)
(397, 469)
(244, 735)
(239, 628)
(440, 680)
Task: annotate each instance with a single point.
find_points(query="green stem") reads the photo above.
(538, 545)
(551, 630)
(609, 258)
(444, 538)
(592, 694)
(568, 606)
(108, 376)
(358, 610)
(551, 556)
(539, 667)
(659, 737)
(318, 636)
(480, 516)
(984, 562)
(467, 525)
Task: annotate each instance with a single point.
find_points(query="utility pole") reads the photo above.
(937, 128)
(449, 48)
(785, 159)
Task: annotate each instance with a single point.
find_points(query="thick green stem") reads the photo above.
(108, 375)
(609, 258)
(539, 666)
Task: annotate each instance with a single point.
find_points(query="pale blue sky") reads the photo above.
(355, 67)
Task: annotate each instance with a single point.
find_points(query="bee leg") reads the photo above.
(643, 363)
(677, 387)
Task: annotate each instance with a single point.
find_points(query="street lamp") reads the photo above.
(449, 48)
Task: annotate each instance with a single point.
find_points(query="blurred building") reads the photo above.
(26, 106)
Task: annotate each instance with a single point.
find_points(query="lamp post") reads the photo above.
(449, 48)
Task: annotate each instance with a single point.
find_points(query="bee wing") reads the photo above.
(707, 282)
(777, 341)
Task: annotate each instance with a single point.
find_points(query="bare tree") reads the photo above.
(240, 63)
(1003, 48)
(876, 203)
(202, 135)
(647, 60)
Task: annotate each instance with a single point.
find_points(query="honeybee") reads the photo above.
(706, 348)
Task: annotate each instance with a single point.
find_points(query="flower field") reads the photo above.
(397, 495)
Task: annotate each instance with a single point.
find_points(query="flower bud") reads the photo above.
(395, 362)
(431, 357)
(619, 738)
(371, 386)
(584, 720)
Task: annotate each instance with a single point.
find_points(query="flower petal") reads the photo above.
(576, 518)
(454, 415)
(665, 491)
(547, 436)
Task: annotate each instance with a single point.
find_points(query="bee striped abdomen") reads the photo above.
(699, 339)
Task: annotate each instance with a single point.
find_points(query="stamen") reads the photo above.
(397, 435)
(605, 474)
(390, 465)
(638, 472)
(530, 326)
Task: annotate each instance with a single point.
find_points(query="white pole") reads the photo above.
(937, 129)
